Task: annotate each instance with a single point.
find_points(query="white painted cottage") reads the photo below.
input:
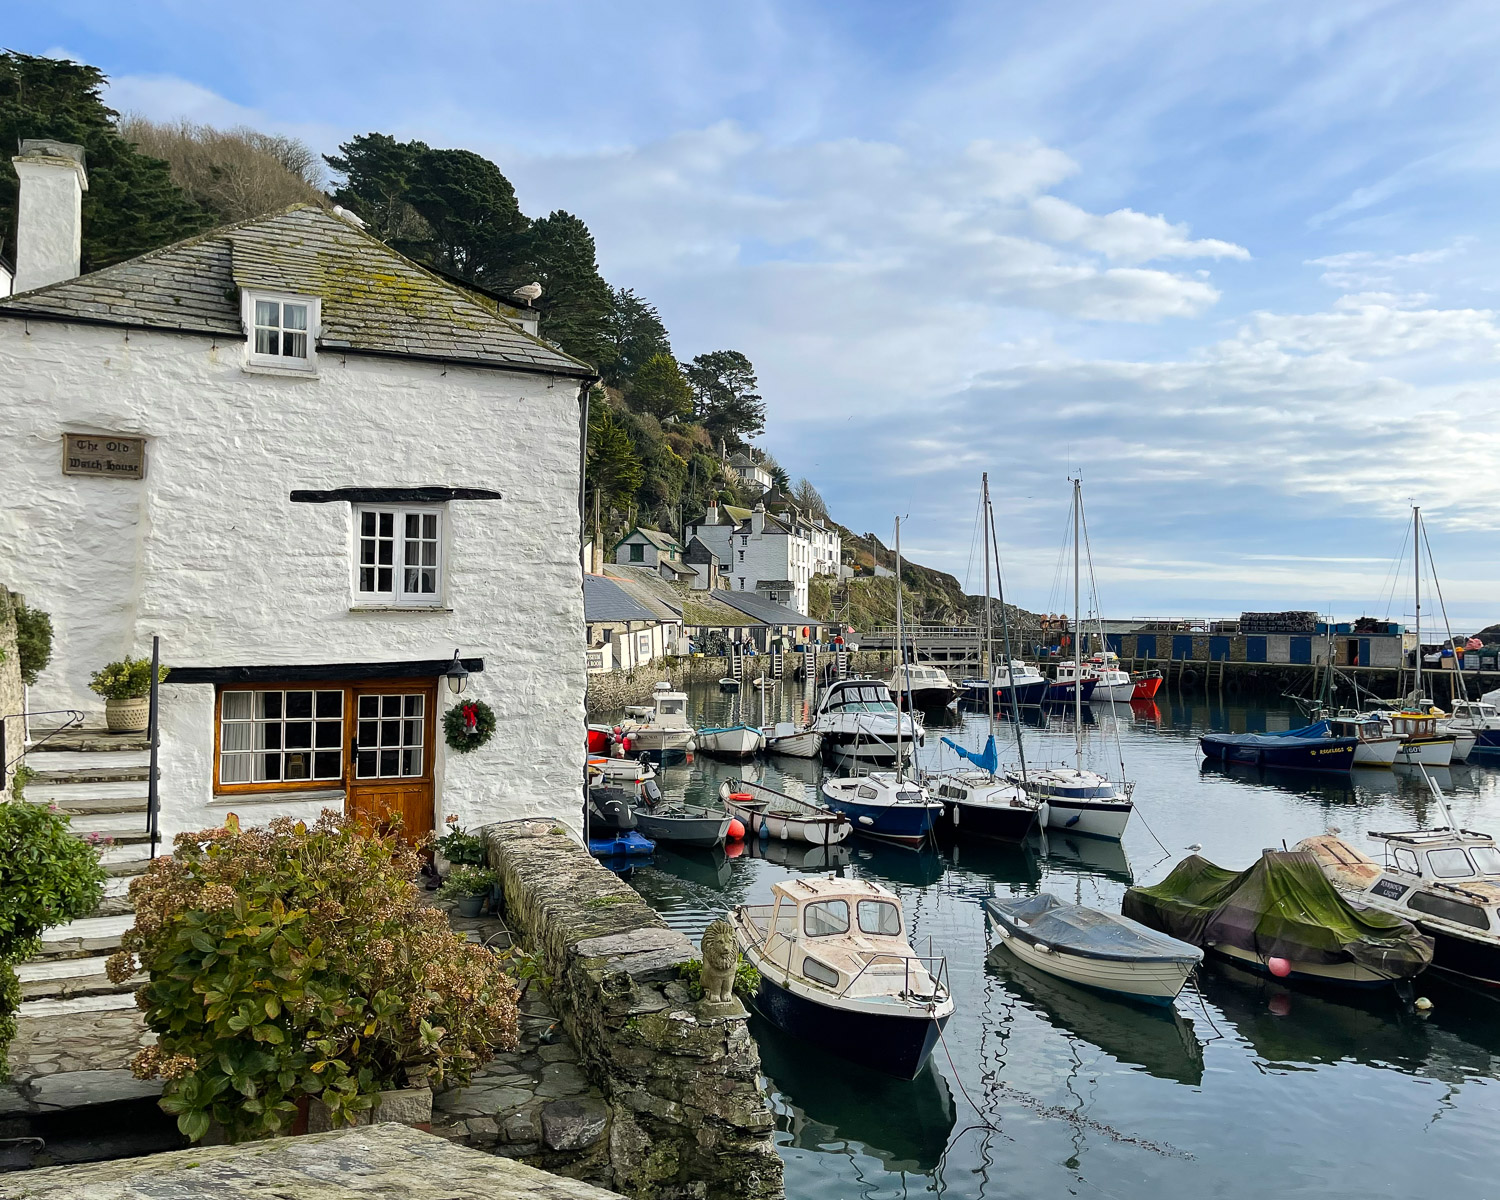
(314, 469)
(756, 547)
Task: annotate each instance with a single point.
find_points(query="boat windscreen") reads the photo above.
(1486, 859)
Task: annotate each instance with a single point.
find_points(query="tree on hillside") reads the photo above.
(658, 388)
(780, 480)
(576, 303)
(725, 399)
(238, 173)
(132, 205)
(808, 499)
(636, 335)
(613, 470)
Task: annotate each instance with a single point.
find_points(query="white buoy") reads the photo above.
(1422, 1004)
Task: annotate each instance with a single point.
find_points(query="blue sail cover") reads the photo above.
(987, 761)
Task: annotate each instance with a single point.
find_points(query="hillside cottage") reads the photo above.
(320, 473)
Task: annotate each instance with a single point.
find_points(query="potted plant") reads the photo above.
(458, 847)
(126, 687)
(468, 887)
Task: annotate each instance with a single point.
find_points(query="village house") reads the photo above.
(330, 480)
(758, 547)
(749, 472)
(653, 548)
(625, 630)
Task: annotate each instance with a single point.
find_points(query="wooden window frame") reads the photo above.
(350, 688)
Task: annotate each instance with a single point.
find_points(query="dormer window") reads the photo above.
(282, 331)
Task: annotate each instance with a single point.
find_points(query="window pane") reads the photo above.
(369, 706)
(268, 737)
(299, 704)
(294, 345)
(328, 764)
(235, 736)
(387, 524)
(364, 764)
(429, 582)
(411, 762)
(411, 580)
(267, 341)
(367, 524)
(412, 733)
(390, 762)
(270, 766)
(390, 706)
(327, 734)
(825, 917)
(429, 526)
(267, 312)
(236, 706)
(270, 705)
(413, 525)
(414, 706)
(235, 768)
(294, 316)
(369, 733)
(1449, 864)
(298, 735)
(383, 579)
(367, 552)
(367, 579)
(299, 766)
(390, 733)
(879, 917)
(385, 553)
(330, 704)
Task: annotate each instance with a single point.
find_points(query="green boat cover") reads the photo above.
(1281, 907)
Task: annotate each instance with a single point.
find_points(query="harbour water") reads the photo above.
(1042, 1089)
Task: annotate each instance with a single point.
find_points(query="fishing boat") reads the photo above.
(859, 719)
(768, 813)
(659, 729)
(791, 740)
(921, 685)
(836, 970)
(1311, 748)
(1020, 683)
(613, 832)
(1065, 688)
(1283, 917)
(679, 822)
(1096, 949)
(1147, 685)
(1374, 745)
(1422, 742)
(1478, 717)
(1110, 683)
(731, 741)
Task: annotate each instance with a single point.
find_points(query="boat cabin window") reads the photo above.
(1486, 859)
(824, 917)
(1450, 864)
(879, 917)
(671, 708)
(868, 793)
(819, 973)
(1450, 910)
(1405, 860)
(908, 797)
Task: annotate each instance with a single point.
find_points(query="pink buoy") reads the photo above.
(1279, 967)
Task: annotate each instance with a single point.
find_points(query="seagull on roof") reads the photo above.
(528, 293)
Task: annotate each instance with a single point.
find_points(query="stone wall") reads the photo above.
(10, 689)
(610, 691)
(687, 1118)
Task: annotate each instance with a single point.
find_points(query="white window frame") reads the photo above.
(282, 362)
(398, 596)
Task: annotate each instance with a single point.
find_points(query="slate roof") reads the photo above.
(662, 541)
(692, 607)
(373, 299)
(766, 611)
(605, 600)
(698, 553)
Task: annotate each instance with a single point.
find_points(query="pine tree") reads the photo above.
(658, 388)
(576, 303)
(724, 395)
(636, 335)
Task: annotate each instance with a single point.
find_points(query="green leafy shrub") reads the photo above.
(290, 961)
(126, 679)
(47, 877)
(746, 978)
(33, 641)
(468, 880)
(459, 846)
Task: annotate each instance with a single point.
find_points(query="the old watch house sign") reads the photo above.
(104, 454)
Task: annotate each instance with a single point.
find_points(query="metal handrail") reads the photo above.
(75, 720)
(941, 991)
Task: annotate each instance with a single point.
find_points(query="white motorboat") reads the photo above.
(1110, 683)
(731, 741)
(768, 813)
(1080, 801)
(884, 805)
(977, 804)
(858, 718)
(1479, 717)
(1376, 746)
(1096, 949)
(659, 729)
(921, 685)
(837, 971)
(792, 741)
(1021, 682)
(1422, 743)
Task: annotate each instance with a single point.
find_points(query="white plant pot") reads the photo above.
(128, 716)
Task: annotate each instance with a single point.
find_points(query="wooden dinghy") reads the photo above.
(766, 812)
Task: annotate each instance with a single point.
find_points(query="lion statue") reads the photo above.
(721, 954)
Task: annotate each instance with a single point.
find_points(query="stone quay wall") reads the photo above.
(610, 691)
(687, 1118)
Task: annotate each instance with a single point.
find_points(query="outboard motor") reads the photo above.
(609, 812)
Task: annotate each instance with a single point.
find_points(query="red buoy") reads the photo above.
(1279, 967)
(736, 830)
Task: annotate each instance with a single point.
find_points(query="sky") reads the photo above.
(1233, 264)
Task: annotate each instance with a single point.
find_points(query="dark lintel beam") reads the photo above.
(394, 495)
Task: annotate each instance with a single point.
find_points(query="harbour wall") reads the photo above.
(610, 691)
(687, 1120)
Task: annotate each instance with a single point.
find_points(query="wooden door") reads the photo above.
(391, 753)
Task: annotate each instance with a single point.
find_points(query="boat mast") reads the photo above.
(1416, 570)
(989, 632)
(1077, 642)
(901, 649)
(1015, 700)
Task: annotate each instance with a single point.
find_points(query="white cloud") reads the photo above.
(1365, 270)
(1124, 235)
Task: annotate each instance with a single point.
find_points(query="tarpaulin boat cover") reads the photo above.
(1090, 933)
(1281, 740)
(1281, 907)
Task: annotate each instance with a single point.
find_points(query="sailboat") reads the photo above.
(1079, 800)
(886, 804)
(977, 801)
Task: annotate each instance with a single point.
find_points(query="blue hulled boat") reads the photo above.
(1310, 748)
(884, 805)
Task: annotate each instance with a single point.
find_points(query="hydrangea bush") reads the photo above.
(293, 960)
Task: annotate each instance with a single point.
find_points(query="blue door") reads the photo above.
(1182, 645)
(1364, 652)
(1301, 650)
(1255, 649)
(1218, 648)
(1113, 642)
(1145, 645)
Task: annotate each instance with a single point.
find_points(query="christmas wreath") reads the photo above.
(468, 726)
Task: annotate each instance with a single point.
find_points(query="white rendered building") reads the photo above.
(314, 469)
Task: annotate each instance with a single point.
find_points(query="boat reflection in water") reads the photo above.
(1157, 1040)
(799, 856)
(826, 1103)
(1070, 854)
(705, 867)
(897, 866)
(1456, 1042)
(983, 862)
(1329, 787)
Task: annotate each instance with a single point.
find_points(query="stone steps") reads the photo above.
(77, 766)
(118, 795)
(91, 738)
(65, 978)
(84, 937)
(108, 1002)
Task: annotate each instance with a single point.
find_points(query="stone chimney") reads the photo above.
(49, 215)
(758, 518)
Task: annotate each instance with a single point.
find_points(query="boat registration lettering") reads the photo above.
(1390, 889)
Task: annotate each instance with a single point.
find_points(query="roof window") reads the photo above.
(281, 331)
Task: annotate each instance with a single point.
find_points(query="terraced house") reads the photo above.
(320, 473)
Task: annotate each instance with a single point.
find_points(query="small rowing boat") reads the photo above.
(768, 813)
